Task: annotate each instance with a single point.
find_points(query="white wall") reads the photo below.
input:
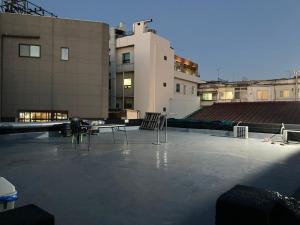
(184, 105)
(150, 70)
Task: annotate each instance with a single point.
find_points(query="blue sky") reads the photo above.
(252, 39)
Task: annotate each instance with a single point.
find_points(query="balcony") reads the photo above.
(187, 77)
(126, 67)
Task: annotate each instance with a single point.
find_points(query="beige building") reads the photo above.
(53, 68)
(285, 89)
(145, 74)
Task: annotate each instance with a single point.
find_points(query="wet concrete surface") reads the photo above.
(141, 183)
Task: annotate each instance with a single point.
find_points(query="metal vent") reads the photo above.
(240, 131)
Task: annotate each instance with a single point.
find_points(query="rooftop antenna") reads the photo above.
(23, 7)
(218, 72)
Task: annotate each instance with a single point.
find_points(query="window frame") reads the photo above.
(205, 96)
(193, 90)
(262, 92)
(126, 61)
(127, 86)
(61, 59)
(223, 95)
(283, 92)
(29, 56)
(178, 88)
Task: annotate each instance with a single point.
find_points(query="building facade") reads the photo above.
(145, 73)
(53, 68)
(285, 89)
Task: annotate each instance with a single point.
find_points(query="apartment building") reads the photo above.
(146, 75)
(53, 68)
(285, 89)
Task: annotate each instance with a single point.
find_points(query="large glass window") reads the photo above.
(207, 96)
(64, 54)
(27, 50)
(285, 94)
(226, 95)
(262, 95)
(126, 57)
(42, 116)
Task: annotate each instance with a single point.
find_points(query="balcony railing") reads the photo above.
(126, 67)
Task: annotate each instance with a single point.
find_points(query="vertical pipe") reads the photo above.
(166, 129)
(123, 91)
(2, 71)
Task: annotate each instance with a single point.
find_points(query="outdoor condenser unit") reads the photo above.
(291, 135)
(240, 131)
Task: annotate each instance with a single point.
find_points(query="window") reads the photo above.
(165, 58)
(165, 84)
(262, 95)
(184, 89)
(127, 83)
(284, 94)
(26, 50)
(42, 116)
(226, 95)
(126, 57)
(128, 103)
(164, 109)
(207, 97)
(177, 88)
(193, 90)
(64, 54)
(240, 93)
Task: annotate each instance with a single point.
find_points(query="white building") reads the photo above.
(285, 89)
(146, 75)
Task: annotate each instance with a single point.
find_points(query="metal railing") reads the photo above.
(126, 67)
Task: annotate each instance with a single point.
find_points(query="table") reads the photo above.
(113, 127)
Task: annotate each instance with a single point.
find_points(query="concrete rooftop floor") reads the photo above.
(141, 183)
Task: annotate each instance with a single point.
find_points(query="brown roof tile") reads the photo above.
(252, 112)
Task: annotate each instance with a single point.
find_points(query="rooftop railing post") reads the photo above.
(157, 133)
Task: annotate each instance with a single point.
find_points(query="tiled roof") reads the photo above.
(252, 112)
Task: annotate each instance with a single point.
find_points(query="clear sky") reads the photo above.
(253, 39)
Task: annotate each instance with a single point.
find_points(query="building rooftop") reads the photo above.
(252, 112)
(141, 183)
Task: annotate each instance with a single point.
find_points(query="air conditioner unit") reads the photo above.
(240, 131)
(291, 135)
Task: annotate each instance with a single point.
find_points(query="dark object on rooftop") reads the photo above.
(252, 112)
(243, 205)
(26, 215)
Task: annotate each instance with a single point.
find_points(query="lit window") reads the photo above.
(284, 93)
(226, 95)
(64, 54)
(42, 116)
(262, 95)
(177, 88)
(127, 83)
(26, 50)
(126, 57)
(207, 96)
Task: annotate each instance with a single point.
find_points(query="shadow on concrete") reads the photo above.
(283, 178)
